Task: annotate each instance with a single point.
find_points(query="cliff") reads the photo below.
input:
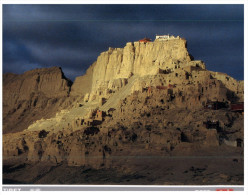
(32, 95)
(49, 81)
(134, 59)
(83, 84)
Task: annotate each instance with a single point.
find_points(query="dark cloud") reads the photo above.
(72, 36)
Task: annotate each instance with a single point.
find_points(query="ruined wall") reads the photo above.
(236, 88)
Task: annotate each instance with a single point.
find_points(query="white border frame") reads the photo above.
(244, 2)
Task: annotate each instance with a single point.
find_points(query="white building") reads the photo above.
(166, 37)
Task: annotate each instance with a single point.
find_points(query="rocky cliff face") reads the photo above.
(134, 59)
(35, 91)
(83, 84)
(49, 81)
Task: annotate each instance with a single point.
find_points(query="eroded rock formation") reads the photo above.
(144, 99)
(36, 94)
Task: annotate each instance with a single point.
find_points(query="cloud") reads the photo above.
(72, 36)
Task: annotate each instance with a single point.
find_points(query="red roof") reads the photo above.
(145, 40)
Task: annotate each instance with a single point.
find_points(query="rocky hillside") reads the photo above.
(146, 99)
(36, 94)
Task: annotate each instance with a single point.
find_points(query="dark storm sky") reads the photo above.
(72, 36)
